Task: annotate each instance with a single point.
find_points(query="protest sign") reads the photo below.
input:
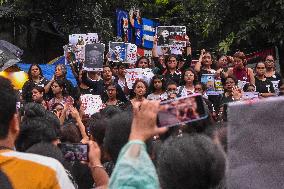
(147, 75)
(92, 38)
(83, 39)
(209, 80)
(148, 33)
(176, 49)
(219, 86)
(131, 53)
(123, 28)
(170, 35)
(132, 75)
(144, 52)
(250, 95)
(91, 103)
(117, 51)
(94, 57)
(77, 39)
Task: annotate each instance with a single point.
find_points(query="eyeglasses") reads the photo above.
(189, 75)
(229, 82)
(269, 60)
(172, 89)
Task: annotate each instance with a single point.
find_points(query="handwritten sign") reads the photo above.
(91, 103)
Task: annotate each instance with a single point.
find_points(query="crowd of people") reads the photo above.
(126, 149)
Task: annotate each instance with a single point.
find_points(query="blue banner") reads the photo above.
(148, 33)
(123, 26)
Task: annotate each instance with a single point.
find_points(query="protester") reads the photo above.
(157, 89)
(60, 74)
(204, 169)
(203, 66)
(60, 94)
(43, 171)
(139, 91)
(240, 71)
(134, 169)
(100, 86)
(271, 73)
(262, 84)
(189, 79)
(36, 78)
(112, 97)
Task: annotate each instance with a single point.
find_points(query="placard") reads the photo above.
(91, 103)
(94, 57)
(132, 75)
(209, 80)
(170, 35)
(83, 39)
(117, 51)
(250, 95)
(131, 53)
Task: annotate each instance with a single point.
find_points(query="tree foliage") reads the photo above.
(217, 24)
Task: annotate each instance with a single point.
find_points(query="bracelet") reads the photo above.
(96, 166)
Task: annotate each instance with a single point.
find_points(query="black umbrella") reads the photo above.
(9, 55)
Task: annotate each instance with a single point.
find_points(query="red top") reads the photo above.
(241, 74)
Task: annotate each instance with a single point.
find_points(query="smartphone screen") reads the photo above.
(181, 110)
(74, 151)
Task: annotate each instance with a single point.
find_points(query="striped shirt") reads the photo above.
(31, 171)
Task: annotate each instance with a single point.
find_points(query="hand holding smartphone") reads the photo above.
(74, 151)
(181, 110)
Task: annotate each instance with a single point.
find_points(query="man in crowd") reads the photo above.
(24, 170)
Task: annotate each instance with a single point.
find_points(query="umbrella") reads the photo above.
(9, 55)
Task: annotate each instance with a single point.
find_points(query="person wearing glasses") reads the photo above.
(189, 79)
(171, 89)
(271, 73)
(263, 85)
(232, 92)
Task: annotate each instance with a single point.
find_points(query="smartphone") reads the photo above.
(74, 151)
(181, 110)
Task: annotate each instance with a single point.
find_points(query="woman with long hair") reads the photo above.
(157, 89)
(139, 91)
(36, 78)
(60, 73)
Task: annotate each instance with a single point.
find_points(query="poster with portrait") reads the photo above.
(117, 51)
(91, 103)
(92, 38)
(132, 75)
(209, 81)
(83, 39)
(123, 28)
(131, 53)
(77, 39)
(94, 57)
(163, 50)
(170, 35)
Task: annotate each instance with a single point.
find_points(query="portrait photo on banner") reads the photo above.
(170, 35)
(94, 57)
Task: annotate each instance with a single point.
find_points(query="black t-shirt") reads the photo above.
(265, 86)
(28, 87)
(276, 80)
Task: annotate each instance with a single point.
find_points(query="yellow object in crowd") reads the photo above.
(17, 78)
